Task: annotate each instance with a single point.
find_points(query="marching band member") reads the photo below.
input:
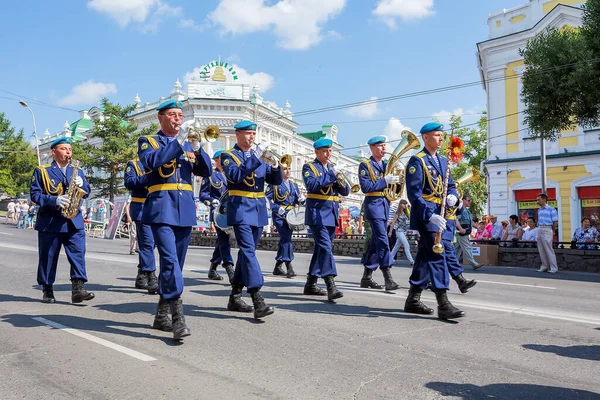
(425, 176)
(283, 198)
(322, 203)
(48, 188)
(211, 191)
(136, 180)
(247, 173)
(372, 179)
(170, 209)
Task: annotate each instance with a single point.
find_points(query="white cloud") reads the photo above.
(393, 129)
(264, 80)
(88, 93)
(365, 110)
(148, 13)
(444, 116)
(406, 10)
(296, 23)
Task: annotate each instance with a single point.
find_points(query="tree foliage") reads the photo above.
(111, 143)
(475, 139)
(561, 82)
(17, 159)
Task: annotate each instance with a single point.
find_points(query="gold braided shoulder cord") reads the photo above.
(215, 185)
(49, 187)
(278, 197)
(437, 188)
(169, 165)
(249, 180)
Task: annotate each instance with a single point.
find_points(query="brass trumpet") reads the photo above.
(210, 134)
(343, 178)
(270, 157)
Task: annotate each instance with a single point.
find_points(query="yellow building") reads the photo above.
(513, 163)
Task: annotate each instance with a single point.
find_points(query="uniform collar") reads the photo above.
(432, 161)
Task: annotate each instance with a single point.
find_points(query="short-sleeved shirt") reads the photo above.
(512, 231)
(11, 206)
(547, 215)
(530, 235)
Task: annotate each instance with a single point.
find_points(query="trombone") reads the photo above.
(210, 134)
(270, 157)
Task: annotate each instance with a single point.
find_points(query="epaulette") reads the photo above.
(420, 154)
(151, 140)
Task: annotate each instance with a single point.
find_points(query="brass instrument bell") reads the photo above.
(210, 134)
(270, 157)
(409, 141)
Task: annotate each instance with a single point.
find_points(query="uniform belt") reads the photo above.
(287, 207)
(138, 199)
(432, 198)
(170, 186)
(243, 193)
(315, 196)
(374, 194)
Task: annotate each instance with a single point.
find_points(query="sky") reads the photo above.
(64, 56)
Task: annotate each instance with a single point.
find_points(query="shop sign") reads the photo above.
(590, 203)
(525, 205)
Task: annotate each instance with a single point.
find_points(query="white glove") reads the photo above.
(260, 150)
(391, 179)
(438, 221)
(196, 145)
(281, 211)
(79, 181)
(215, 203)
(62, 201)
(451, 200)
(302, 200)
(335, 170)
(182, 135)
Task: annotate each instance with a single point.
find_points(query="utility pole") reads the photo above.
(543, 160)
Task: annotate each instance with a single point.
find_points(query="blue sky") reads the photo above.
(313, 53)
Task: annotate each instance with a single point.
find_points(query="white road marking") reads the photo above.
(518, 284)
(95, 339)
(8, 234)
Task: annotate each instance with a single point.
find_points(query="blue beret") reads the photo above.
(217, 154)
(245, 125)
(377, 140)
(61, 140)
(432, 126)
(170, 104)
(319, 144)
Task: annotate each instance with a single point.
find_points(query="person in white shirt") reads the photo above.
(10, 212)
(530, 235)
(24, 207)
(497, 229)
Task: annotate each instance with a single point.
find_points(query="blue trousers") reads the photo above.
(49, 244)
(285, 251)
(146, 244)
(222, 249)
(247, 269)
(322, 263)
(172, 243)
(378, 253)
(432, 266)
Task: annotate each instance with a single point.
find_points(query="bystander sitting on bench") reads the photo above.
(530, 232)
(586, 234)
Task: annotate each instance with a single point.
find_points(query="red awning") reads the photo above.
(588, 192)
(531, 194)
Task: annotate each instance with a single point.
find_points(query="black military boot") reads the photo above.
(367, 280)
(152, 282)
(141, 280)
(229, 269)
(311, 288)
(332, 292)
(78, 293)
(290, 269)
(162, 321)
(389, 282)
(235, 300)
(261, 309)
(445, 309)
(278, 270)
(413, 302)
(212, 273)
(463, 284)
(48, 296)
(180, 329)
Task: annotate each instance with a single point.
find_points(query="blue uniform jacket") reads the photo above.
(212, 188)
(323, 191)
(372, 183)
(136, 181)
(170, 198)
(247, 176)
(280, 196)
(47, 183)
(421, 173)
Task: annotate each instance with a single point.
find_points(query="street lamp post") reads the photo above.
(37, 146)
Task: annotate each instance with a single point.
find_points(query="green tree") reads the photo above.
(561, 82)
(111, 143)
(17, 159)
(475, 139)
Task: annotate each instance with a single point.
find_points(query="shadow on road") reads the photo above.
(583, 352)
(506, 391)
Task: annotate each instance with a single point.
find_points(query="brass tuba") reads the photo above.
(210, 134)
(409, 141)
(74, 193)
(470, 175)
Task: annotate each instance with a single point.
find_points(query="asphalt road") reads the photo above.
(526, 336)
